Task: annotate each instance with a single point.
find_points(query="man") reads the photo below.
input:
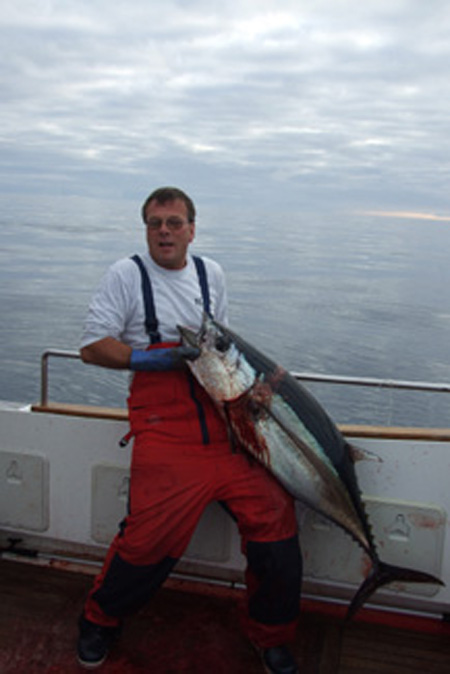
(182, 458)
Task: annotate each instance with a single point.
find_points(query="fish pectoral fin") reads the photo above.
(234, 440)
(359, 454)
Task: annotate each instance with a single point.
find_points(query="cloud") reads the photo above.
(344, 98)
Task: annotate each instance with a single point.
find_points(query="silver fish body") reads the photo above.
(277, 421)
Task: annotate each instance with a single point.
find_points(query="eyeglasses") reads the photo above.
(173, 223)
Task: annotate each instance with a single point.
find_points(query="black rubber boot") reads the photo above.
(278, 660)
(94, 642)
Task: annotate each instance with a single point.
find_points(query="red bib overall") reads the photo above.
(181, 462)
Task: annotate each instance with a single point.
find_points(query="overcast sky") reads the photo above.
(294, 104)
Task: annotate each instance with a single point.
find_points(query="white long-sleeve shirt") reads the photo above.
(117, 307)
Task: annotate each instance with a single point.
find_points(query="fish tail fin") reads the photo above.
(381, 574)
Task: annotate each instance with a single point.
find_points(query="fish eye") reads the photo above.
(222, 343)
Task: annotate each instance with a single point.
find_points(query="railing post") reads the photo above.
(44, 369)
(44, 378)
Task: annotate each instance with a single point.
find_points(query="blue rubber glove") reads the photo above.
(158, 360)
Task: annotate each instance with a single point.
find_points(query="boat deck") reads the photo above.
(193, 628)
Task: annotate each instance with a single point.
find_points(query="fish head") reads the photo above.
(220, 368)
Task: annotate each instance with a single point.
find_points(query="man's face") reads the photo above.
(169, 233)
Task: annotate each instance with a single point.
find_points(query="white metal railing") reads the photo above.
(301, 376)
(54, 353)
(373, 382)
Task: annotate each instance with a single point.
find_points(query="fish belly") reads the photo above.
(278, 439)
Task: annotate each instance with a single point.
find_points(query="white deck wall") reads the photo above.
(63, 486)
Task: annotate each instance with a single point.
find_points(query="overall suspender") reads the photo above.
(203, 280)
(151, 321)
(151, 326)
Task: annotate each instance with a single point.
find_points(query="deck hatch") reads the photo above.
(406, 533)
(24, 491)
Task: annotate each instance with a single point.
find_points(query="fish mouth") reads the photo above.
(189, 337)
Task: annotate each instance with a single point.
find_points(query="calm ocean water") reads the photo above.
(342, 294)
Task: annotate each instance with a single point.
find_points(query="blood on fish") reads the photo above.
(239, 412)
(261, 393)
(276, 377)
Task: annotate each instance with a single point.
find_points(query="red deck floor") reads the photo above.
(193, 629)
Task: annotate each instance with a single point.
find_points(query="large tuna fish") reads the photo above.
(275, 419)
